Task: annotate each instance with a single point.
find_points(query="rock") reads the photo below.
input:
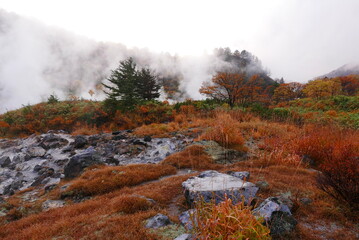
(185, 236)
(49, 188)
(139, 142)
(220, 154)
(119, 137)
(36, 152)
(80, 142)
(308, 160)
(53, 141)
(270, 205)
(263, 185)
(147, 139)
(186, 218)
(49, 204)
(212, 185)
(81, 161)
(2, 201)
(5, 161)
(15, 185)
(240, 175)
(306, 201)
(282, 223)
(158, 221)
(67, 149)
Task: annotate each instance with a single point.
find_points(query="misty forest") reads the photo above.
(103, 141)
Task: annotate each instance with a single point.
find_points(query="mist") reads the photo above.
(38, 60)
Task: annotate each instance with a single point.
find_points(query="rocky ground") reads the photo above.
(43, 160)
(39, 162)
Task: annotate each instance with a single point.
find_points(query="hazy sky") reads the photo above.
(295, 39)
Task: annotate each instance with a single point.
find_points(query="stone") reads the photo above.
(139, 142)
(158, 221)
(185, 236)
(262, 185)
(281, 223)
(36, 152)
(53, 141)
(50, 204)
(15, 185)
(5, 161)
(147, 139)
(306, 201)
(240, 175)
(270, 205)
(119, 137)
(214, 186)
(220, 154)
(80, 142)
(186, 218)
(308, 160)
(81, 161)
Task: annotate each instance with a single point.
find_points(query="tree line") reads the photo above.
(243, 83)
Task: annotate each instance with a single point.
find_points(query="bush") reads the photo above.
(52, 99)
(226, 221)
(226, 131)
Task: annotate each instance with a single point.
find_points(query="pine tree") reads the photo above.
(147, 85)
(129, 86)
(122, 89)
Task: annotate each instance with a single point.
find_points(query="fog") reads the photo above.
(69, 47)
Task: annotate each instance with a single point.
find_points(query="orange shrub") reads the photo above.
(193, 157)
(105, 179)
(226, 131)
(327, 143)
(228, 222)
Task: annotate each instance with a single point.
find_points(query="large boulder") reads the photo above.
(81, 161)
(214, 186)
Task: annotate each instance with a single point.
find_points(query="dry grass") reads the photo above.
(226, 131)
(156, 129)
(228, 222)
(103, 179)
(116, 215)
(193, 157)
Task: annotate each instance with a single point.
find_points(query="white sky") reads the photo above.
(296, 39)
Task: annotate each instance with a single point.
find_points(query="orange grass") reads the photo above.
(110, 216)
(228, 222)
(193, 157)
(103, 179)
(226, 131)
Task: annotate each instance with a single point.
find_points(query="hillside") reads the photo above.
(101, 182)
(347, 69)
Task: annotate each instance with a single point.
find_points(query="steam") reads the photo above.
(37, 60)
